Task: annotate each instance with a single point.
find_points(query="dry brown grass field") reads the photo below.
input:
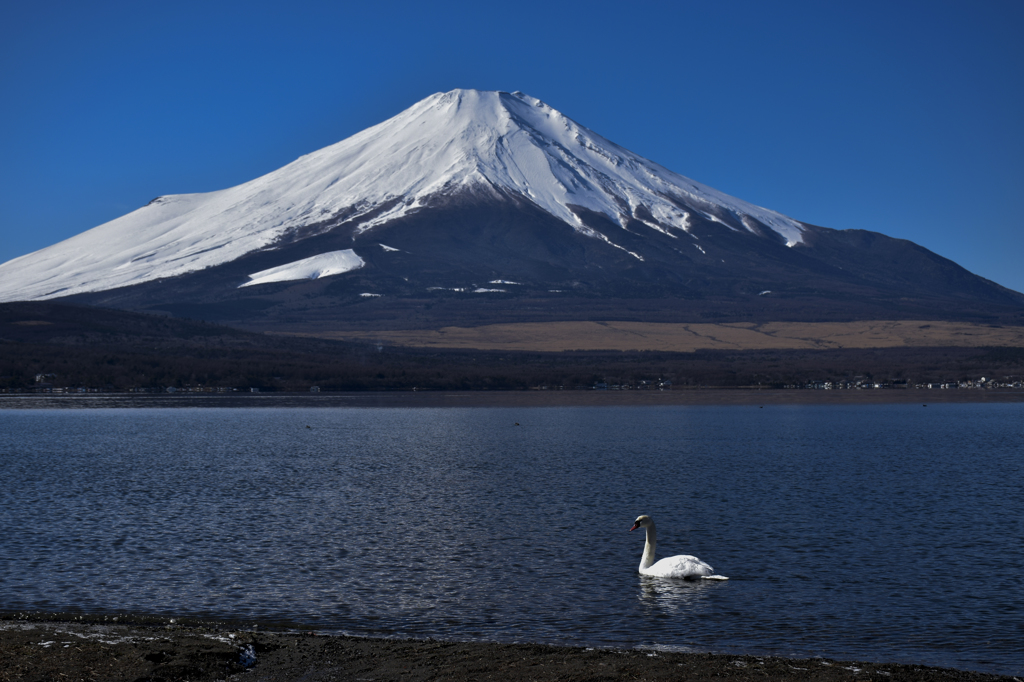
(687, 337)
(101, 348)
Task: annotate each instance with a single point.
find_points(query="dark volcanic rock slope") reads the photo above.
(470, 260)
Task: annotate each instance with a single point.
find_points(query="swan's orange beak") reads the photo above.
(635, 526)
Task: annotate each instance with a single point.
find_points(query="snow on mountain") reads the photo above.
(323, 265)
(463, 139)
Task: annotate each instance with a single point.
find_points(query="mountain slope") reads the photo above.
(449, 142)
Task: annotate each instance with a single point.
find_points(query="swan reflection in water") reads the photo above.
(666, 595)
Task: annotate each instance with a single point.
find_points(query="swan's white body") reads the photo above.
(681, 566)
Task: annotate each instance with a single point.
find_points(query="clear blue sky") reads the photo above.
(906, 118)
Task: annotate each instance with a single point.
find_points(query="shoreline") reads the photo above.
(37, 646)
(531, 398)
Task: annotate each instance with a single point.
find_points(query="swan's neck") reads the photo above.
(652, 542)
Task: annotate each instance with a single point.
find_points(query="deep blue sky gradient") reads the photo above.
(906, 118)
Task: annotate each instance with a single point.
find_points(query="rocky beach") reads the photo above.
(37, 647)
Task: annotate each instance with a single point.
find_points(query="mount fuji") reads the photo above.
(473, 207)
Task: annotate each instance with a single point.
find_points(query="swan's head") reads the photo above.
(642, 521)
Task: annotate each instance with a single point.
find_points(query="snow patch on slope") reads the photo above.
(324, 265)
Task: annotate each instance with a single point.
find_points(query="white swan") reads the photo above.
(681, 566)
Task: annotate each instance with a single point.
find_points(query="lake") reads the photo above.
(889, 533)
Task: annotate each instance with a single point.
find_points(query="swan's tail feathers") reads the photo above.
(714, 577)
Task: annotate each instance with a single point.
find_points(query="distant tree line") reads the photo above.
(286, 365)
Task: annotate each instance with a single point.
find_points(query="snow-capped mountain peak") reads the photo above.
(460, 140)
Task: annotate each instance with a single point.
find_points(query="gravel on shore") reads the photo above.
(100, 648)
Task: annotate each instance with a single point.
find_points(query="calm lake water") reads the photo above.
(891, 533)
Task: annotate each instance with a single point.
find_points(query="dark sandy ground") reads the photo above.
(40, 647)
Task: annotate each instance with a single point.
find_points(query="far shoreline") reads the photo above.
(765, 397)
